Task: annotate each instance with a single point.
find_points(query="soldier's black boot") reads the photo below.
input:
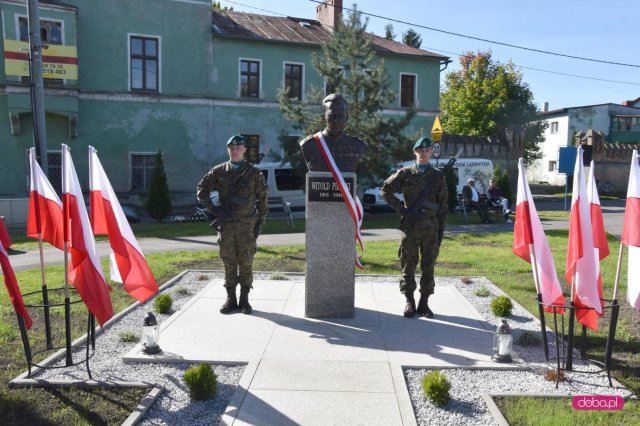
(231, 304)
(423, 306)
(410, 308)
(245, 307)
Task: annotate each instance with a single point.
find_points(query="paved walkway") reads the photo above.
(325, 371)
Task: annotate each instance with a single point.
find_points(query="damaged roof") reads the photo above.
(288, 29)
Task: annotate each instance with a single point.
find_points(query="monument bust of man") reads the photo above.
(346, 149)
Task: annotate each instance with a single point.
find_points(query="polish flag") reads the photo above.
(600, 243)
(45, 209)
(128, 265)
(528, 236)
(85, 271)
(10, 278)
(631, 232)
(582, 256)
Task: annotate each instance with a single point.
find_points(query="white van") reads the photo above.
(480, 169)
(283, 181)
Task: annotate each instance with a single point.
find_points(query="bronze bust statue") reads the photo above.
(346, 149)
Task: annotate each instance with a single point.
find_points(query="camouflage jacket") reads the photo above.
(410, 182)
(250, 198)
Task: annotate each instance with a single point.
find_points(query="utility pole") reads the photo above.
(37, 85)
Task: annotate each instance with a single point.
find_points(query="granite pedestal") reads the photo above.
(330, 249)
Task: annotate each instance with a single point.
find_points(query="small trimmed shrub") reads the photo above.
(163, 303)
(501, 306)
(278, 276)
(129, 336)
(529, 338)
(436, 387)
(201, 381)
(483, 291)
(182, 291)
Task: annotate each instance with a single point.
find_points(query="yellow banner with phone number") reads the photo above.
(58, 61)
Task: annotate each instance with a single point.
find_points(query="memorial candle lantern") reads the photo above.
(502, 343)
(150, 335)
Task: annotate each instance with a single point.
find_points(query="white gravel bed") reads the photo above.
(174, 405)
(466, 406)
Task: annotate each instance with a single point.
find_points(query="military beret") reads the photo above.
(422, 143)
(236, 140)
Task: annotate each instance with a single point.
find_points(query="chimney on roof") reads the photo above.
(329, 13)
(545, 107)
(627, 103)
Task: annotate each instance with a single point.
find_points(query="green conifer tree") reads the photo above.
(158, 202)
(350, 67)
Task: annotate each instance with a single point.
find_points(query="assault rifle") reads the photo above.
(223, 213)
(411, 214)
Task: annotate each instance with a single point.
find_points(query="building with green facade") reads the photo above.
(175, 76)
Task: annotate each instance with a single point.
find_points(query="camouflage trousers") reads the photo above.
(419, 244)
(237, 245)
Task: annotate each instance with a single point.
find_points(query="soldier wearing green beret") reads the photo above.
(421, 241)
(242, 224)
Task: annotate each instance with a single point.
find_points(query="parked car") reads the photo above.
(129, 212)
(372, 202)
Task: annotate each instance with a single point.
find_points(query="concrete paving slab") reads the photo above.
(263, 289)
(282, 407)
(330, 376)
(317, 340)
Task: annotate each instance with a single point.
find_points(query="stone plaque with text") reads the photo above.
(326, 189)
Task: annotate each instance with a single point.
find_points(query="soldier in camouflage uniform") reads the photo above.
(421, 242)
(242, 224)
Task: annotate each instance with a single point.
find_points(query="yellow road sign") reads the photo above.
(436, 130)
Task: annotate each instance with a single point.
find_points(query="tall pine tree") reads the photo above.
(158, 202)
(350, 66)
(412, 38)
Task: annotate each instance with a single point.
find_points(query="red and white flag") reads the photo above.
(10, 280)
(85, 271)
(529, 236)
(128, 265)
(582, 256)
(45, 209)
(631, 232)
(600, 242)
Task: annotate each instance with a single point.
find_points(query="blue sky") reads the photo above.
(587, 28)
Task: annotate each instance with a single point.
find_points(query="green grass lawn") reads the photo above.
(461, 255)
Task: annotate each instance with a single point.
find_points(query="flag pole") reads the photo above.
(45, 291)
(543, 326)
(65, 214)
(613, 324)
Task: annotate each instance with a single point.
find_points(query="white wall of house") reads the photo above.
(556, 135)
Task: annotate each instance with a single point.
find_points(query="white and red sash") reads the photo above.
(355, 208)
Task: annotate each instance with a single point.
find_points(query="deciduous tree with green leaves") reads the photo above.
(349, 66)
(158, 202)
(486, 97)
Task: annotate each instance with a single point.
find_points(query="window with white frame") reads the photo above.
(407, 90)
(249, 78)
(144, 58)
(293, 80)
(142, 165)
(552, 166)
(554, 127)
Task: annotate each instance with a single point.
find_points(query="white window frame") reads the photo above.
(415, 90)
(302, 76)
(259, 61)
(17, 17)
(131, 154)
(553, 124)
(128, 41)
